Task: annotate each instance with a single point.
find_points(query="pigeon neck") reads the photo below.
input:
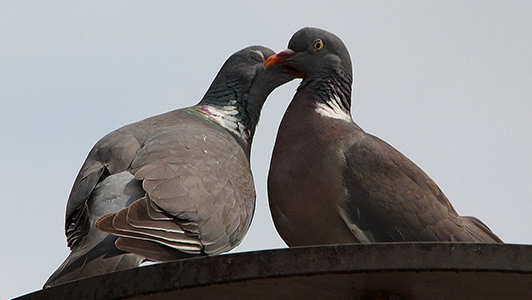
(228, 116)
(231, 114)
(333, 95)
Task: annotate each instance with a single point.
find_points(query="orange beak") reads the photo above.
(279, 58)
(282, 57)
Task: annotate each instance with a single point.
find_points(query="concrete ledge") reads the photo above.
(412, 270)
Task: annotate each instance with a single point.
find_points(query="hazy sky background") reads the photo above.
(448, 83)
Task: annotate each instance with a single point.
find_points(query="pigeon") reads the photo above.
(172, 186)
(330, 182)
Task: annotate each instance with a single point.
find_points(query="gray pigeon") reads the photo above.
(330, 182)
(171, 186)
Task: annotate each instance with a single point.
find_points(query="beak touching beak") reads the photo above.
(278, 58)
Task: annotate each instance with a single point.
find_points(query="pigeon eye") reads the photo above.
(318, 45)
(256, 55)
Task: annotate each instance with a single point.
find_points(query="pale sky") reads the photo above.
(448, 83)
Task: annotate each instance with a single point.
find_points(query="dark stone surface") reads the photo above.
(361, 271)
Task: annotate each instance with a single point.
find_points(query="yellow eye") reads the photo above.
(318, 45)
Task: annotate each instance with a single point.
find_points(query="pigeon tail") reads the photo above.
(102, 258)
(480, 232)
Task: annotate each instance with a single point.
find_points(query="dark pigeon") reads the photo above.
(172, 186)
(330, 182)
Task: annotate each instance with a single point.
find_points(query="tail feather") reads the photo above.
(480, 232)
(102, 258)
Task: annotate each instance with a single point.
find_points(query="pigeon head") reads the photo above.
(238, 75)
(314, 52)
(322, 60)
(241, 87)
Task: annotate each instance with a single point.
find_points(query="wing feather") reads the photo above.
(391, 199)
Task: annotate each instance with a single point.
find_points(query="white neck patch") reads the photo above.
(332, 109)
(226, 116)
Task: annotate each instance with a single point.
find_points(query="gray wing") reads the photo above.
(390, 199)
(111, 155)
(96, 253)
(102, 186)
(199, 194)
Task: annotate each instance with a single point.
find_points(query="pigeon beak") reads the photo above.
(278, 58)
(283, 57)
